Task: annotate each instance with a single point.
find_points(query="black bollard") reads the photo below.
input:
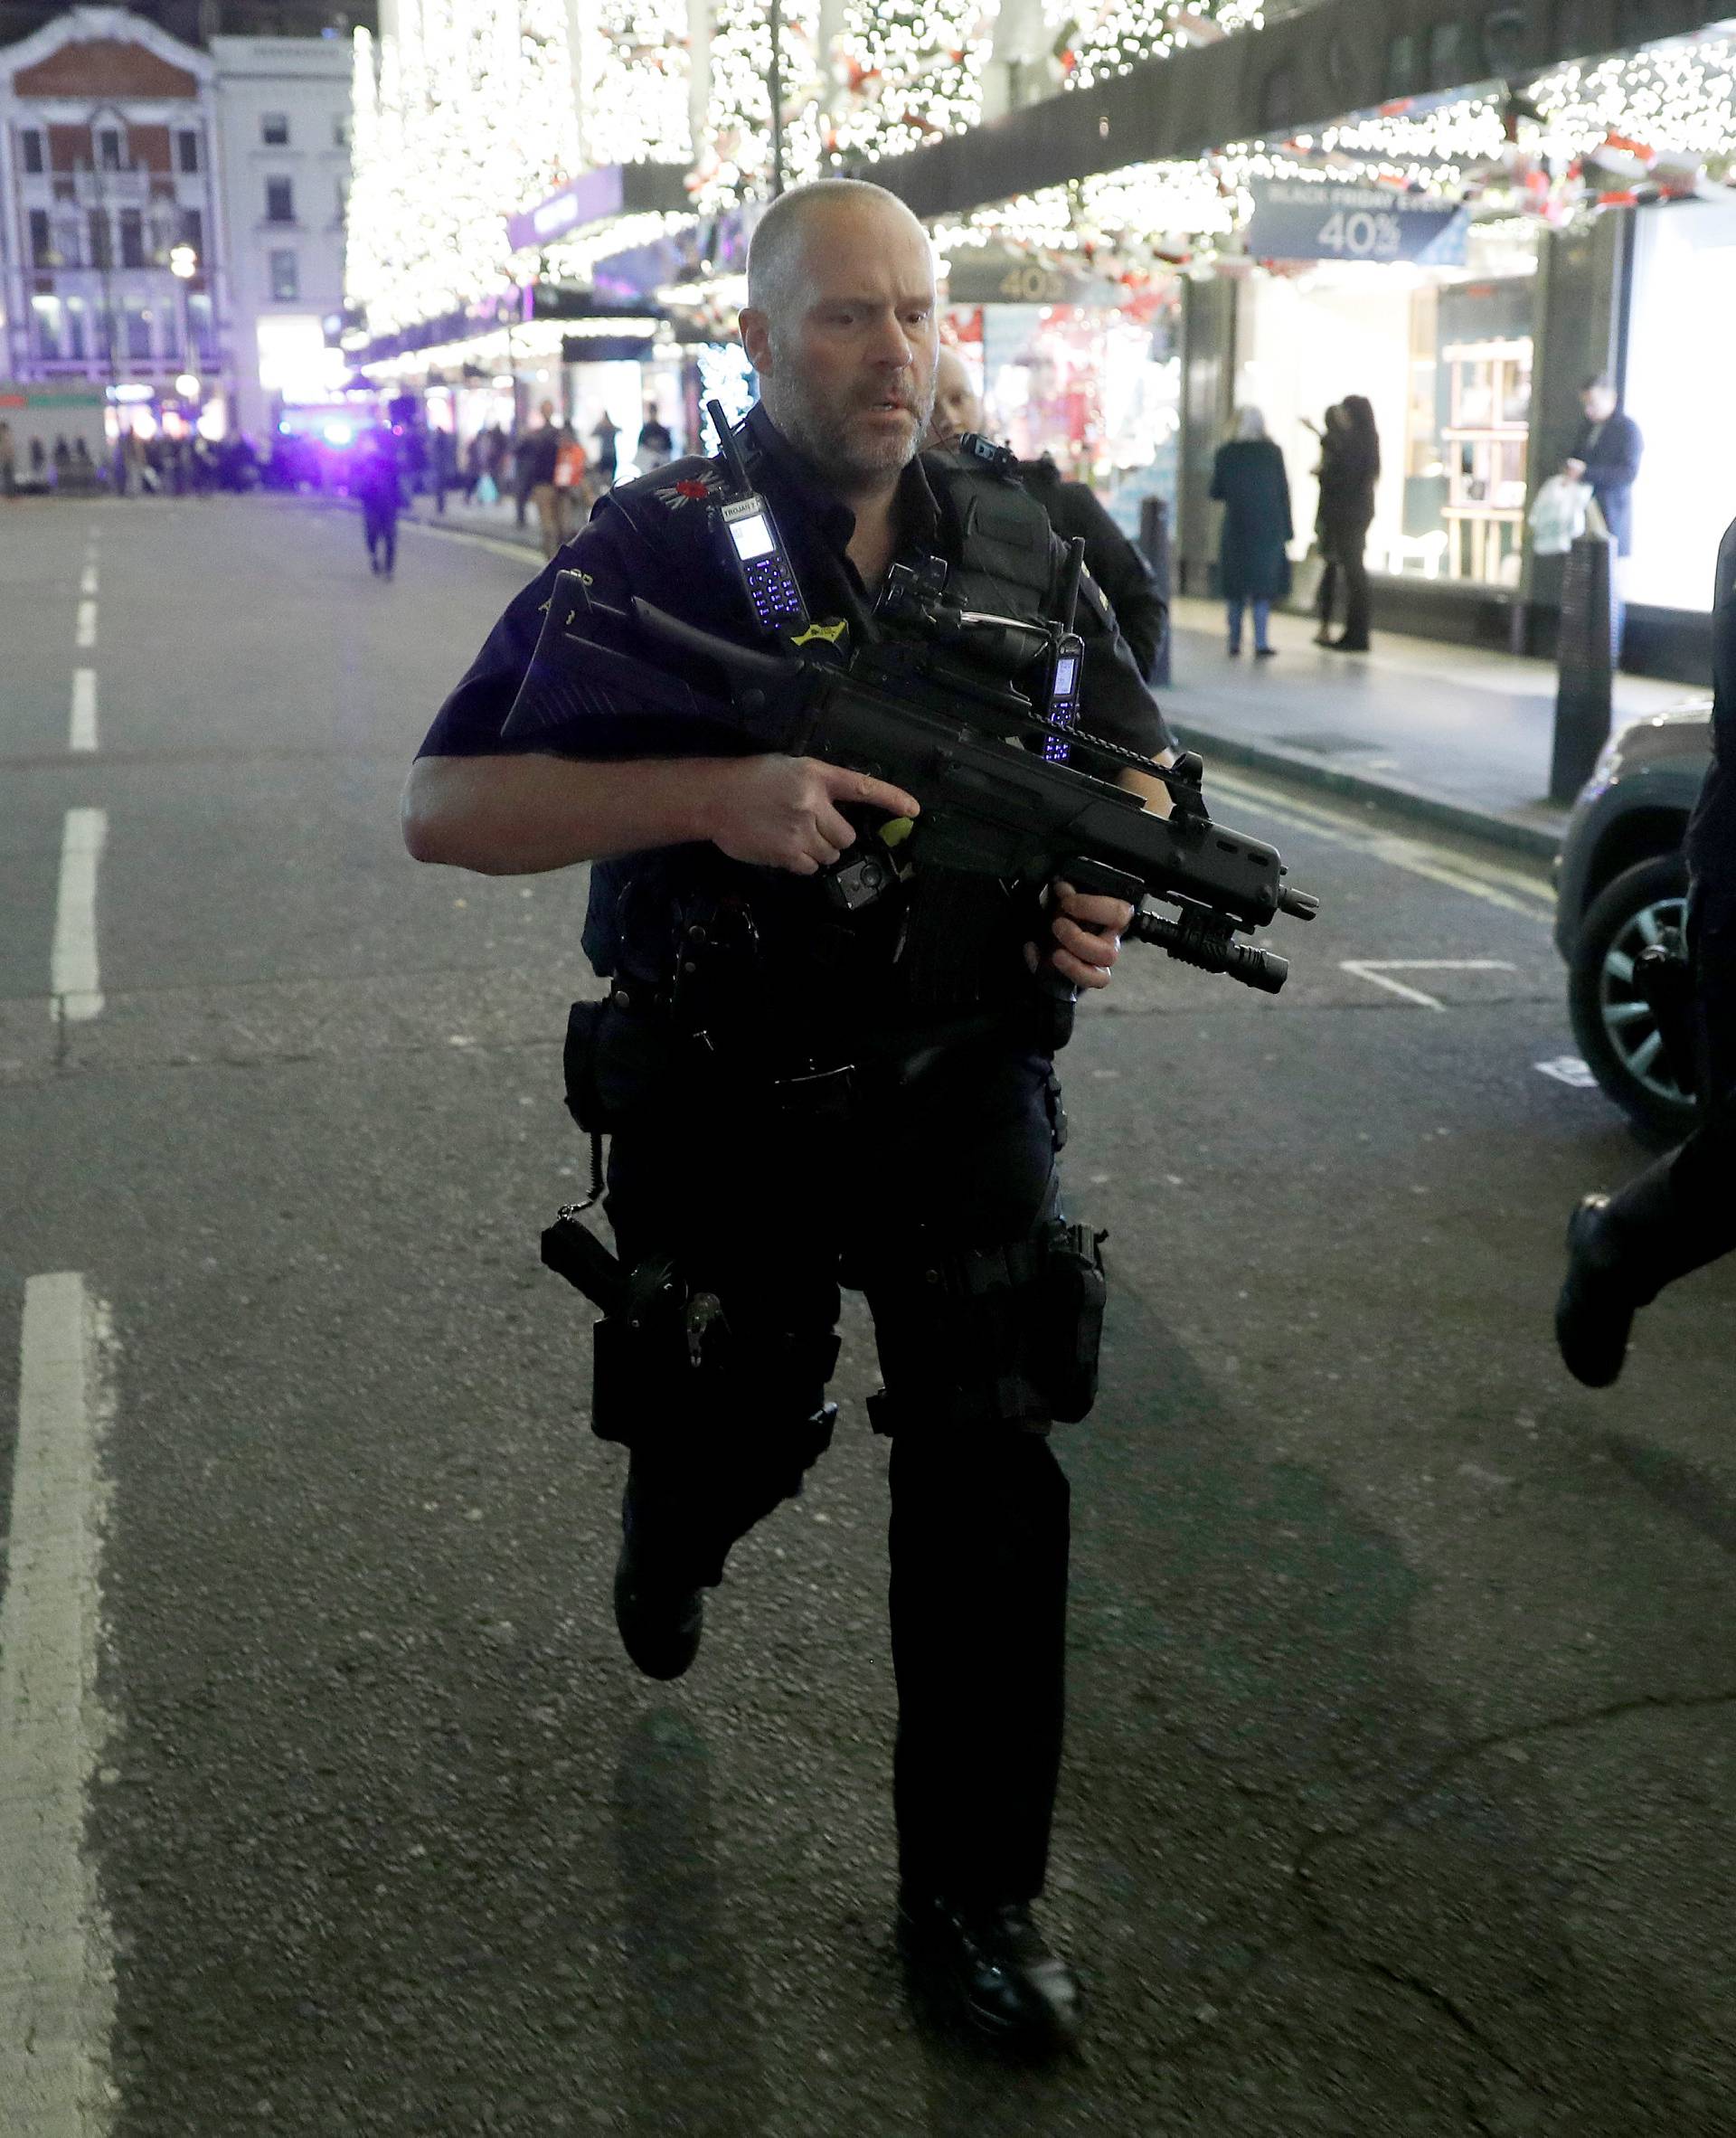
(1585, 659)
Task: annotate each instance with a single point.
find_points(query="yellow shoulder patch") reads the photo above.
(831, 630)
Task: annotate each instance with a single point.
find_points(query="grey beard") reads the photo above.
(825, 442)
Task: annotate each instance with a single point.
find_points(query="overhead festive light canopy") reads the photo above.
(472, 108)
(462, 115)
(1095, 39)
(1678, 97)
(635, 81)
(735, 160)
(904, 74)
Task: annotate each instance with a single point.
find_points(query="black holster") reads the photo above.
(996, 1336)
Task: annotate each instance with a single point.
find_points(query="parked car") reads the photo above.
(1621, 885)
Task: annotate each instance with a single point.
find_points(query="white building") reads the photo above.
(283, 107)
(107, 140)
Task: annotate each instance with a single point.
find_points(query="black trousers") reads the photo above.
(773, 1213)
(1680, 1214)
(1342, 546)
(380, 524)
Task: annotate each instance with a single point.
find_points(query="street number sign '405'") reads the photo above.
(1295, 219)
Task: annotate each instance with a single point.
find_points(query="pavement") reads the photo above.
(1402, 1736)
(1453, 736)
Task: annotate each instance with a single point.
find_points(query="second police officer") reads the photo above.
(872, 1102)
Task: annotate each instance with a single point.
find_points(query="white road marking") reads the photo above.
(87, 584)
(87, 624)
(1508, 888)
(76, 982)
(1569, 1069)
(83, 735)
(57, 1977)
(1380, 970)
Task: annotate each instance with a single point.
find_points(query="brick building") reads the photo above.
(108, 149)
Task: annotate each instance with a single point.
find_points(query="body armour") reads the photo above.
(944, 942)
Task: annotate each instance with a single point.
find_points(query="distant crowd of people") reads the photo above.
(134, 465)
(545, 468)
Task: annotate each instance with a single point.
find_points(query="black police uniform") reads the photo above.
(870, 1105)
(1681, 1212)
(1129, 582)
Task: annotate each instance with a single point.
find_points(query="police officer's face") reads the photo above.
(847, 371)
(956, 406)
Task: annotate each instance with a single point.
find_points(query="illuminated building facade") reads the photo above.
(283, 113)
(108, 128)
(1595, 227)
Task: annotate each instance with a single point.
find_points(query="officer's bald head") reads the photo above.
(841, 325)
(793, 230)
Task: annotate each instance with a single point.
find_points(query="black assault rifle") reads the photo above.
(935, 707)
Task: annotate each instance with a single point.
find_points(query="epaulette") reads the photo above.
(987, 455)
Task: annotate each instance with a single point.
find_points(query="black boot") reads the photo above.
(660, 1621)
(990, 1965)
(1594, 1310)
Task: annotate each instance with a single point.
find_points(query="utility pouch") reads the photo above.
(579, 1066)
(1064, 1332)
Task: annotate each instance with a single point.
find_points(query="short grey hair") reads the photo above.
(775, 250)
(1249, 423)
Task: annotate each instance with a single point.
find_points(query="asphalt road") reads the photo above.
(1403, 1711)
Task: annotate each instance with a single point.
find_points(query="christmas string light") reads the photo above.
(1096, 39)
(736, 161)
(905, 72)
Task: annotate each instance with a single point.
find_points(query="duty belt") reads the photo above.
(801, 1082)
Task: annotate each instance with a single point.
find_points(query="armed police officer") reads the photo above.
(799, 1095)
(1128, 583)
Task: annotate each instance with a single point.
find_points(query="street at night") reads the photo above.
(1401, 1719)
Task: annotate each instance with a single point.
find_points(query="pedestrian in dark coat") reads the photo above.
(1606, 454)
(1248, 479)
(1350, 466)
(375, 480)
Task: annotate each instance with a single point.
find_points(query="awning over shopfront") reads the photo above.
(597, 196)
(592, 313)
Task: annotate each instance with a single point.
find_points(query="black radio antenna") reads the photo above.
(727, 446)
(1067, 593)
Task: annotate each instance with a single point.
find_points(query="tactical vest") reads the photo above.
(947, 942)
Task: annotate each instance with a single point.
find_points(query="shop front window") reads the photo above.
(1097, 388)
(1444, 357)
(1488, 387)
(1683, 326)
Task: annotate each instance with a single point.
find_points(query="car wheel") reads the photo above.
(1612, 1021)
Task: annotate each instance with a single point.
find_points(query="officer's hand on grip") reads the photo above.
(782, 812)
(1085, 932)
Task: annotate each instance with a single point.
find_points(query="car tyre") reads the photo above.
(1617, 1033)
